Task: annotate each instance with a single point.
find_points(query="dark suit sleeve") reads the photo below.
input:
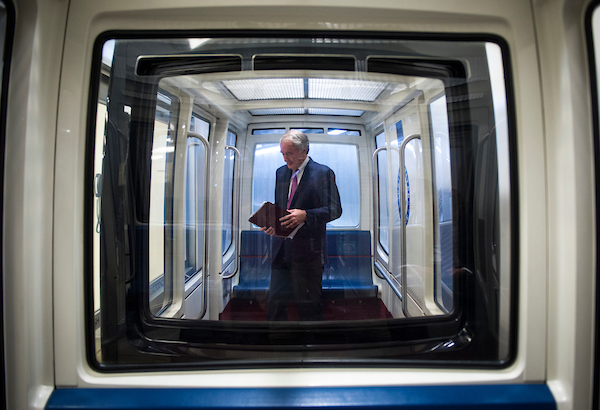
(329, 198)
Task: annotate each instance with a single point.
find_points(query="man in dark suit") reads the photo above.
(308, 191)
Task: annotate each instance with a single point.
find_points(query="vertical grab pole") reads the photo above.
(205, 234)
(236, 209)
(375, 162)
(403, 221)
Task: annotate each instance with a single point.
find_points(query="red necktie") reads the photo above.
(293, 190)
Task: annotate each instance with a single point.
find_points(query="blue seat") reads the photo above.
(349, 266)
(255, 266)
(347, 273)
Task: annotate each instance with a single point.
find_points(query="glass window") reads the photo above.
(267, 158)
(267, 131)
(383, 181)
(421, 189)
(443, 210)
(228, 187)
(339, 131)
(341, 158)
(310, 130)
(343, 161)
(200, 126)
(161, 201)
(193, 209)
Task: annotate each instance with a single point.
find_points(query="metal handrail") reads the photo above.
(404, 274)
(206, 206)
(236, 211)
(375, 162)
(385, 274)
(376, 215)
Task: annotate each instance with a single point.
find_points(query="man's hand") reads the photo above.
(294, 218)
(269, 231)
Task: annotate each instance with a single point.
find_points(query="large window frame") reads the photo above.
(7, 21)
(244, 346)
(592, 26)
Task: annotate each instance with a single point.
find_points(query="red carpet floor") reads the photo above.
(333, 309)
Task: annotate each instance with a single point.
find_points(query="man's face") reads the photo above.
(292, 156)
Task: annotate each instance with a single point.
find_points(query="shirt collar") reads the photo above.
(301, 168)
(303, 165)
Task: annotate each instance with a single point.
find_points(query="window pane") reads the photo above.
(382, 178)
(341, 158)
(267, 158)
(161, 206)
(194, 197)
(228, 186)
(418, 235)
(310, 130)
(339, 131)
(443, 184)
(200, 126)
(343, 161)
(268, 131)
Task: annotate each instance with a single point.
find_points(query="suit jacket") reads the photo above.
(318, 195)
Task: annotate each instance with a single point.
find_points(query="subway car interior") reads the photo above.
(445, 212)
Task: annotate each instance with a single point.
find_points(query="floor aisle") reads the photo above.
(333, 309)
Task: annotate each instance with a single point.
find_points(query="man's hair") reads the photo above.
(298, 138)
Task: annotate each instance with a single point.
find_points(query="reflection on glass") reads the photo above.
(267, 158)
(228, 186)
(168, 221)
(310, 130)
(160, 233)
(340, 131)
(382, 174)
(200, 126)
(268, 131)
(443, 184)
(341, 158)
(157, 213)
(194, 206)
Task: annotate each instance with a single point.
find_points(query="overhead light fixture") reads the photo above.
(266, 88)
(347, 90)
(278, 111)
(336, 112)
